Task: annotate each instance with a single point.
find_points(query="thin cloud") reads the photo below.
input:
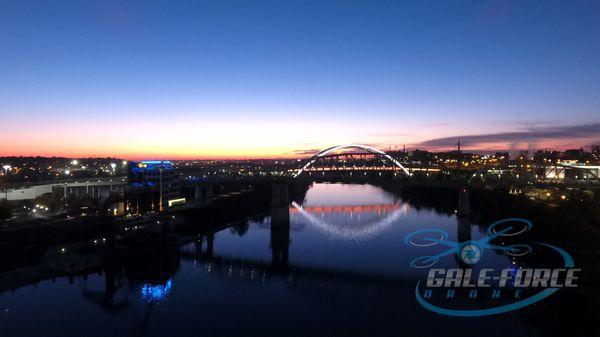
(304, 152)
(310, 152)
(531, 137)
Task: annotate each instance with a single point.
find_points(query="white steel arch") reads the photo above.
(367, 148)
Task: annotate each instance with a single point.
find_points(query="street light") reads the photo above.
(6, 169)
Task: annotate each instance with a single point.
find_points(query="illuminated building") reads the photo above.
(158, 176)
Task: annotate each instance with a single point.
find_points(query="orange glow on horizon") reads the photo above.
(243, 139)
(222, 153)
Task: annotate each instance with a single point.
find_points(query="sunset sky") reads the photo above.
(242, 79)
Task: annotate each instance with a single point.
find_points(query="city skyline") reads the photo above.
(270, 80)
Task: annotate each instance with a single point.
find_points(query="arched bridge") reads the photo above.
(330, 160)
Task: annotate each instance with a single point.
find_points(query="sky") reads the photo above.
(268, 79)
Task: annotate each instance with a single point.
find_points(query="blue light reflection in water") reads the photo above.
(155, 293)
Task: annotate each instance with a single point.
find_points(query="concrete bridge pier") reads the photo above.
(464, 206)
(463, 219)
(199, 243)
(463, 215)
(203, 192)
(280, 195)
(464, 229)
(280, 226)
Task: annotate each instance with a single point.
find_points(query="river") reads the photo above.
(336, 263)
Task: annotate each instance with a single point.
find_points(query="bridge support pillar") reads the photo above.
(463, 221)
(280, 236)
(210, 238)
(464, 207)
(280, 195)
(203, 192)
(463, 212)
(197, 192)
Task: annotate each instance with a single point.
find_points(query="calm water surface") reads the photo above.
(335, 265)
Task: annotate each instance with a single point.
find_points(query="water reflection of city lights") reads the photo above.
(155, 293)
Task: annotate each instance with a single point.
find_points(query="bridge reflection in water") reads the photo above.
(359, 222)
(353, 227)
(257, 270)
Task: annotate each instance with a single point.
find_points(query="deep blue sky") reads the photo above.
(255, 78)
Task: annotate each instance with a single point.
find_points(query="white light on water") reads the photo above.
(353, 233)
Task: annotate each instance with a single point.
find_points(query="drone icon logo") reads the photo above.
(470, 252)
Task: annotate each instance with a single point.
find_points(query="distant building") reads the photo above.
(159, 176)
(573, 153)
(97, 189)
(419, 156)
(502, 157)
(576, 156)
(523, 155)
(545, 157)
